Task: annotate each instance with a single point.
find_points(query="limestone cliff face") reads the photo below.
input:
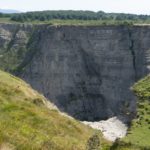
(86, 71)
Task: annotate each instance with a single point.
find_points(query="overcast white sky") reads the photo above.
(125, 6)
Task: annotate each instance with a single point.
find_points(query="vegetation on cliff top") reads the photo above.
(28, 121)
(57, 22)
(70, 17)
(138, 137)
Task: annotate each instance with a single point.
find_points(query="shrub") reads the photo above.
(93, 143)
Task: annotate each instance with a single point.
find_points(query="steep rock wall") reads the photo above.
(86, 71)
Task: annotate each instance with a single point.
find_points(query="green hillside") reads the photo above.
(28, 121)
(138, 137)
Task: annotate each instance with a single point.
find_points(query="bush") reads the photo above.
(93, 143)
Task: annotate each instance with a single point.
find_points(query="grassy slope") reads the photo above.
(26, 123)
(138, 137)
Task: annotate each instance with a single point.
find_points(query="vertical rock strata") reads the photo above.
(86, 71)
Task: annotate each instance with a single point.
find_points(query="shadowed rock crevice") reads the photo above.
(12, 41)
(133, 54)
(32, 48)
